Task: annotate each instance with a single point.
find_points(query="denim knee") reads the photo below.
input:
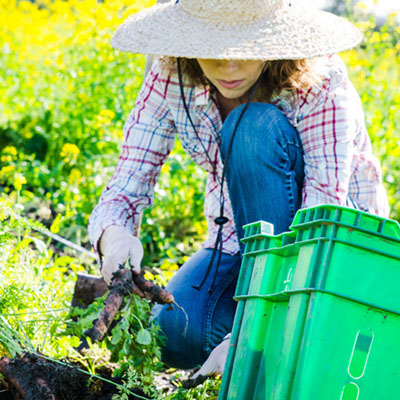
(265, 168)
(262, 127)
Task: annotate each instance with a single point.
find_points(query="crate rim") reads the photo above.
(317, 222)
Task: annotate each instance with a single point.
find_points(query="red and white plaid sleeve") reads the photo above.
(149, 135)
(326, 135)
(339, 165)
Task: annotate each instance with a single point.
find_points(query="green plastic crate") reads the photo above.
(319, 310)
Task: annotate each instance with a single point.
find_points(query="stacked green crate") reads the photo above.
(319, 310)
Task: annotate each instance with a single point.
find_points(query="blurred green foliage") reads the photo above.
(65, 96)
(374, 68)
(35, 287)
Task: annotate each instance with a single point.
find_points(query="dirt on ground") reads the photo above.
(31, 377)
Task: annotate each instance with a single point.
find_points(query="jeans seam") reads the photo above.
(294, 144)
(287, 165)
(291, 194)
(288, 183)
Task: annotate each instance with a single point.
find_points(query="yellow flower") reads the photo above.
(168, 275)
(69, 149)
(365, 26)
(149, 276)
(117, 133)
(11, 150)
(107, 114)
(6, 158)
(7, 170)
(385, 36)
(375, 37)
(9, 154)
(75, 176)
(361, 5)
(69, 153)
(104, 118)
(19, 181)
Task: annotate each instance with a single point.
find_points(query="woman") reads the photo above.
(257, 97)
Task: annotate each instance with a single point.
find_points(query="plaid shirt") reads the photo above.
(339, 166)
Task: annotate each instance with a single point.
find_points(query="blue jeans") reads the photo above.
(265, 174)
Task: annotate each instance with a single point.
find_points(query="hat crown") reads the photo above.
(231, 11)
(236, 30)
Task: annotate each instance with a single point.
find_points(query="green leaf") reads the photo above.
(123, 325)
(143, 337)
(116, 336)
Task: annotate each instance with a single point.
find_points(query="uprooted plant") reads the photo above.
(125, 323)
(131, 349)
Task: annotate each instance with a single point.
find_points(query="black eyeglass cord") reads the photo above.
(216, 177)
(221, 220)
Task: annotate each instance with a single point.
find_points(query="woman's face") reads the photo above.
(232, 78)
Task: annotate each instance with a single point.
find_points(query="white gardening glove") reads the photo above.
(117, 245)
(214, 365)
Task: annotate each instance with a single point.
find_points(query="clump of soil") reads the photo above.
(31, 377)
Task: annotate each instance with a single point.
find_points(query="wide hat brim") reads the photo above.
(292, 33)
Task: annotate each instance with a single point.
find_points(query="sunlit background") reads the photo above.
(65, 94)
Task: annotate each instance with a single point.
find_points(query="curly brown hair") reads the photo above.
(279, 75)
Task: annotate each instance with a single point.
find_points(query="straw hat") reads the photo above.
(235, 29)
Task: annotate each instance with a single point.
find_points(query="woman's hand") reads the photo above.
(213, 366)
(117, 246)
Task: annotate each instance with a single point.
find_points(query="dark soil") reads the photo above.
(31, 377)
(5, 394)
